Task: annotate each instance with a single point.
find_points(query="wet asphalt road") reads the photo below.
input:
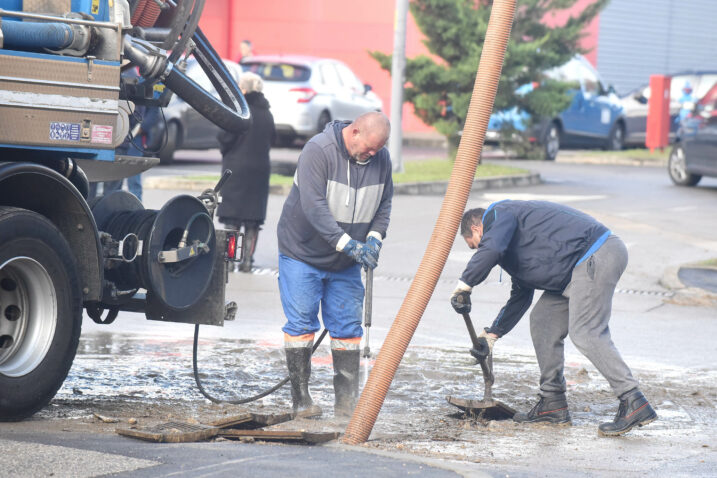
(662, 225)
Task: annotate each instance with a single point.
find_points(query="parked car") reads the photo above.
(636, 102)
(594, 118)
(185, 127)
(306, 92)
(695, 151)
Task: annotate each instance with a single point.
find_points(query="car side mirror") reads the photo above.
(367, 88)
(640, 98)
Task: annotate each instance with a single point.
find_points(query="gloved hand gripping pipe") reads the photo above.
(454, 202)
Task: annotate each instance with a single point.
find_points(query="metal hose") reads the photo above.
(454, 202)
(37, 35)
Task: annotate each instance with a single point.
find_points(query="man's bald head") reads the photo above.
(367, 135)
(376, 123)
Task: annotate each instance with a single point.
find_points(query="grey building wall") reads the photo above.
(639, 38)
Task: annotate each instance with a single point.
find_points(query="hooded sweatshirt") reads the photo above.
(333, 199)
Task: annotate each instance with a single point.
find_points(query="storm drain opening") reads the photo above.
(481, 410)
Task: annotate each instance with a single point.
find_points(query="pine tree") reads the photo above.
(455, 31)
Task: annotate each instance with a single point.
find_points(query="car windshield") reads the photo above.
(278, 71)
(710, 98)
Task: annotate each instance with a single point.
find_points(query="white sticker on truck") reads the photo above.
(101, 134)
(64, 131)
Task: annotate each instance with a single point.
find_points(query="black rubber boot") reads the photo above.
(548, 410)
(634, 410)
(251, 235)
(298, 361)
(346, 381)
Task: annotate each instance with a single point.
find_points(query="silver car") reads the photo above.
(185, 127)
(636, 103)
(306, 92)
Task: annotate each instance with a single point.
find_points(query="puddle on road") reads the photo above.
(129, 375)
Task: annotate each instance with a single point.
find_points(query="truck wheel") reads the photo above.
(40, 312)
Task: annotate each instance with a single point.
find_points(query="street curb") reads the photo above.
(438, 188)
(612, 161)
(181, 183)
(433, 188)
(685, 295)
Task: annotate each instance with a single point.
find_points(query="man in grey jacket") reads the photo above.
(332, 224)
(577, 262)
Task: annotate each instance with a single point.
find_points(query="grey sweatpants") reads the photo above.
(583, 312)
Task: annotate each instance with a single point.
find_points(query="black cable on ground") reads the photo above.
(243, 400)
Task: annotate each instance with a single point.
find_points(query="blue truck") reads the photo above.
(65, 107)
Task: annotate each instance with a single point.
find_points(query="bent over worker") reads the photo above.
(332, 224)
(577, 262)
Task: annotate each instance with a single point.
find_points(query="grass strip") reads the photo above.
(416, 172)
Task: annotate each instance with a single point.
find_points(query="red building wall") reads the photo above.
(590, 40)
(340, 29)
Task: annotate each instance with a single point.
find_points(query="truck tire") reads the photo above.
(40, 312)
(166, 154)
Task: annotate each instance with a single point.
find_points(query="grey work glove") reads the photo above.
(490, 338)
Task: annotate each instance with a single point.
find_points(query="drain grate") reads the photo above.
(289, 436)
(655, 293)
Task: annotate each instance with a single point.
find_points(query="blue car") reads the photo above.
(595, 116)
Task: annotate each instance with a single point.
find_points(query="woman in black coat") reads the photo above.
(245, 194)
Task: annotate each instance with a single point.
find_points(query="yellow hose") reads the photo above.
(454, 203)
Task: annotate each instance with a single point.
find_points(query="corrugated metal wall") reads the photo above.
(638, 38)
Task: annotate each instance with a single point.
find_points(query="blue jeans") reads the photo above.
(304, 288)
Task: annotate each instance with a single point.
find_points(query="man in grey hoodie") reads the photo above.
(332, 224)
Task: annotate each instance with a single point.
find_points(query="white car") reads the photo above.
(306, 92)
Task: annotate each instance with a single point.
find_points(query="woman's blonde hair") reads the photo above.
(250, 82)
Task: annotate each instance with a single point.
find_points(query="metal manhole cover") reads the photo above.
(172, 432)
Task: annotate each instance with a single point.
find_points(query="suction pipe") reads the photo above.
(444, 232)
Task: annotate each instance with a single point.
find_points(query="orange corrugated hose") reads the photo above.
(459, 187)
(146, 13)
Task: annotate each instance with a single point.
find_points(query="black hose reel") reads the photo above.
(169, 252)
